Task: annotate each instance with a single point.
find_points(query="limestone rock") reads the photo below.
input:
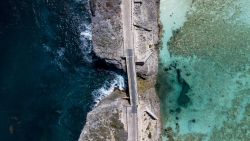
(107, 31)
(108, 34)
(105, 122)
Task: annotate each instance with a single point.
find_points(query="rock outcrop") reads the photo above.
(146, 37)
(108, 34)
(107, 121)
(107, 31)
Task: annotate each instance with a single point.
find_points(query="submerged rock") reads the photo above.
(212, 51)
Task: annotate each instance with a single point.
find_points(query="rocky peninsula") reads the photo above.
(107, 121)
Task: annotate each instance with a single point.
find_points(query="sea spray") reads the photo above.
(86, 41)
(108, 87)
(45, 83)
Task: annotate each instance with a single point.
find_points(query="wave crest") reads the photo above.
(107, 88)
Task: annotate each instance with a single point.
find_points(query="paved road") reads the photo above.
(128, 37)
(127, 24)
(132, 80)
(132, 111)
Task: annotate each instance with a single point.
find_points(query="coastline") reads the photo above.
(107, 121)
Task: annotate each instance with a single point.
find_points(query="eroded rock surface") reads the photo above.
(146, 37)
(107, 31)
(107, 121)
(108, 34)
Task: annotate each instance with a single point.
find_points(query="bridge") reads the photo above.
(128, 36)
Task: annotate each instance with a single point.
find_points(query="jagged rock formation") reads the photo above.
(146, 36)
(104, 122)
(107, 122)
(108, 34)
(107, 31)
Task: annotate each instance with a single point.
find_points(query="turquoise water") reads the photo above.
(204, 74)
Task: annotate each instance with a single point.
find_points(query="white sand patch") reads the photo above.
(219, 78)
(173, 15)
(244, 12)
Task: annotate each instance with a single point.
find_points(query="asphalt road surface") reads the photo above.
(128, 36)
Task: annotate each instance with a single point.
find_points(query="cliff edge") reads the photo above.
(107, 121)
(108, 34)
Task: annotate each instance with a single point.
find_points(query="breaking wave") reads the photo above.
(107, 88)
(86, 41)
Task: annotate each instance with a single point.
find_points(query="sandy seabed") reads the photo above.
(204, 75)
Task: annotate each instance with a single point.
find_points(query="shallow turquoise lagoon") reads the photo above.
(204, 74)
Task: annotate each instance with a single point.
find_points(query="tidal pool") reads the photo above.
(204, 74)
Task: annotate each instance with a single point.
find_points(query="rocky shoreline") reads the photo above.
(107, 121)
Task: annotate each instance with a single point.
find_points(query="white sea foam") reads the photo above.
(46, 48)
(60, 52)
(85, 38)
(107, 88)
(86, 34)
(58, 55)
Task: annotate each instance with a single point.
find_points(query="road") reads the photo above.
(132, 80)
(128, 36)
(132, 111)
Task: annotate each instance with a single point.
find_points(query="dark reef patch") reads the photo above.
(183, 98)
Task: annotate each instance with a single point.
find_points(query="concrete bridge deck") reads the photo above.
(128, 36)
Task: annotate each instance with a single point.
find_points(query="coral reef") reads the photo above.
(210, 53)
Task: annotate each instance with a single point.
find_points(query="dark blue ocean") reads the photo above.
(48, 78)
